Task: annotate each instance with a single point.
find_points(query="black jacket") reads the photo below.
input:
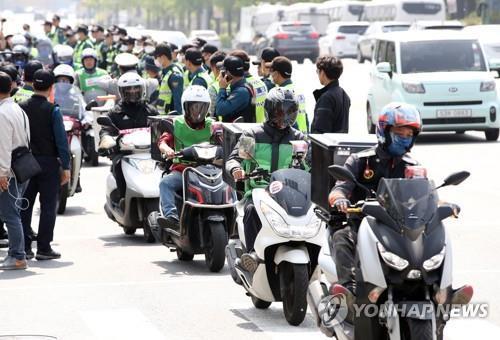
(331, 113)
(129, 116)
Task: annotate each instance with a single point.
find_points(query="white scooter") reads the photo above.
(142, 176)
(288, 243)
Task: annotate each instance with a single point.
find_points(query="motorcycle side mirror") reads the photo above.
(341, 173)
(455, 178)
(91, 105)
(299, 147)
(106, 121)
(246, 149)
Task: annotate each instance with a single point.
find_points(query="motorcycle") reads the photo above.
(70, 102)
(142, 176)
(207, 207)
(288, 243)
(403, 264)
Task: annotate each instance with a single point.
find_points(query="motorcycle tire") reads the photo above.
(294, 282)
(149, 207)
(63, 198)
(215, 252)
(419, 329)
(260, 304)
(129, 231)
(184, 256)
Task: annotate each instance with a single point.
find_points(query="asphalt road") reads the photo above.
(111, 286)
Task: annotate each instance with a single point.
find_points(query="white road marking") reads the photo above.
(120, 324)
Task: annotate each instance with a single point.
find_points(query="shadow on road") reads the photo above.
(76, 211)
(52, 264)
(271, 320)
(16, 274)
(125, 240)
(183, 268)
(450, 138)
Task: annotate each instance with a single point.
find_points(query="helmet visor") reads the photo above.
(196, 112)
(131, 94)
(285, 114)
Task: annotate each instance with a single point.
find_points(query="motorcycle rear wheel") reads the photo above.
(215, 255)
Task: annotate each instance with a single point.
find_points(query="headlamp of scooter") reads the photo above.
(146, 166)
(391, 259)
(435, 261)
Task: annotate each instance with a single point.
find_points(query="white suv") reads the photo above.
(443, 73)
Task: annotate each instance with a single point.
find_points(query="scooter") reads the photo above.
(70, 102)
(142, 176)
(404, 270)
(207, 209)
(288, 244)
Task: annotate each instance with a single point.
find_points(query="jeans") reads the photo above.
(169, 185)
(343, 249)
(10, 215)
(47, 184)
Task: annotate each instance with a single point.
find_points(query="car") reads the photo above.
(365, 41)
(341, 38)
(445, 74)
(488, 36)
(175, 37)
(210, 36)
(295, 40)
(436, 25)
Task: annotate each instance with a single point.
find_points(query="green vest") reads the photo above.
(259, 98)
(204, 75)
(302, 116)
(165, 96)
(22, 94)
(179, 67)
(110, 59)
(184, 136)
(87, 80)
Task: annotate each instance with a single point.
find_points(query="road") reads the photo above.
(111, 286)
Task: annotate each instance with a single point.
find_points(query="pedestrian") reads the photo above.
(172, 82)
(15, 134)
(213, 89)
(50, 148)
(206, 52)
(331, 113)
(194, 64)
(268, 54)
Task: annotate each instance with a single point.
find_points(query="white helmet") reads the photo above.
(132, 88)
(64, 54)
(89, 53)
(64, 70)
(126, 60)
(195, 104)
(19, 39)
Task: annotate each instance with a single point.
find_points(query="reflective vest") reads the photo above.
(204, 75)
(77, 55)
(86, 80)
(185, 136)
(110, 59)
(302, 125)
(23, 94)
(185, 75)
(165, 96)
(258, 97)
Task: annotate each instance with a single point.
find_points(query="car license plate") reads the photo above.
(299, 38)
(452, 113)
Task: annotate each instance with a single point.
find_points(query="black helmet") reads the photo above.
(281, 108)
(30, 69)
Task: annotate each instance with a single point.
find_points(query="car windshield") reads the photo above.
(410, 202)
(441, 56)
(395, 28)
(298, 28)
(421, 7)
(355, 29)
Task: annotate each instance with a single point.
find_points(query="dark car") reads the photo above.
(295, 40)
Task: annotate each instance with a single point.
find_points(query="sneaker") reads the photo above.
(462, 296)
(29, 254)
(171, 222)
(249, 262)
(11, 263)
(47, 255)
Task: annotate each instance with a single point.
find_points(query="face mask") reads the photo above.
(116, 38)
(399, 145)
(124, 48)
(157, 63)
(149, 49)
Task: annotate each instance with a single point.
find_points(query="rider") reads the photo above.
(193, 127)
(87, 75)
(273, 151)
(130, 113)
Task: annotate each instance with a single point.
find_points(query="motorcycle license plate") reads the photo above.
(454, 113)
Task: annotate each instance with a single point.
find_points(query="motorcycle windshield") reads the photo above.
(69, 99)
(410, 202)
(93, 94)
(291, 189)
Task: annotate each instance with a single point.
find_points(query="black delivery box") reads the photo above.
(232, 133)
(159, 125)
(329, 149)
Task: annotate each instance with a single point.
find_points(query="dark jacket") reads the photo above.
(129, 116)
(369, 166)
(331, 114)
(48, 137)
(237, 103)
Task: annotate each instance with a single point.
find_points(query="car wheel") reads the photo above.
(492, 134)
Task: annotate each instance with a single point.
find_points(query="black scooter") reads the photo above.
(207, 209)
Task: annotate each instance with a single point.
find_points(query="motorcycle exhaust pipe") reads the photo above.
(315, 293)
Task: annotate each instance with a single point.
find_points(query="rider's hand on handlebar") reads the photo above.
(239, 174)
(342, 204)
(167, 151)
(107, 142)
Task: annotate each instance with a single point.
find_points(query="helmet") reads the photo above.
(281, 107)
(64, 70)
(44, 48)
(398, 115)
(132, 87)
(89, 53)
(126, 62)
(195, 104)
(20, 55)
(30, 69)
(64, 54)
(19, 39)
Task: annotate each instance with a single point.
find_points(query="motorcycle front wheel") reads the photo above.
(294, 281)
(215, 251)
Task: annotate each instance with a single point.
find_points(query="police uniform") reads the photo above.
(171, 86)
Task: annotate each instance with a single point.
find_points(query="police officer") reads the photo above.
(172, 82)
(273, 151)
(238, 103)
(97, 32)
(268, 54)
(259, 89)
(281, 73)
(108, 53)
(194, 64)
(151, 71)
(213, 89)
(58, 31)
(25, 92)
(83, 43)
(207, 51)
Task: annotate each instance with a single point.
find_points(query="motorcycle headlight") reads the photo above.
(146, 166)
(68, 125)
(391, 259)
(435, 261)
